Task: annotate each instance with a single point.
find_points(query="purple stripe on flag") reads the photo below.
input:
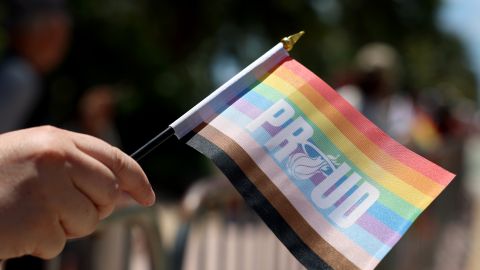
(381, 231)
(247, 108)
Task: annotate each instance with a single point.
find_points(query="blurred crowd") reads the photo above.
(38, 38)
(442, 128)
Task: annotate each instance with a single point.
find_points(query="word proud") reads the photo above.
(342, 190)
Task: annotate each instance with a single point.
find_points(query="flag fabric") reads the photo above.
(334, 188)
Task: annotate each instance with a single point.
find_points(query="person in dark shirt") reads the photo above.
(38, 34)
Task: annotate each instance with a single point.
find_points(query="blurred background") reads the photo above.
(123, 70)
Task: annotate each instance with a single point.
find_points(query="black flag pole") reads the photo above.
(288, 44)
(153, 143)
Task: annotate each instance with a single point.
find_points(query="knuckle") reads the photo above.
(48, 128)
(48, 144)
(119, 161)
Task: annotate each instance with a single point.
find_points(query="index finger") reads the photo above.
(130, 175)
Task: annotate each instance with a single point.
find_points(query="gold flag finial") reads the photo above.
(289, 42)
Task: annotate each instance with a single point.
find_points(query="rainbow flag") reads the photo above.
(334, 188)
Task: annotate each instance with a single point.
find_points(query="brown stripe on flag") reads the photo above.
(276, 198)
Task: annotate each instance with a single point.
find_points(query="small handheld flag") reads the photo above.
(334, 188)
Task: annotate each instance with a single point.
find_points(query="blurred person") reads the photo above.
(96, 113)
(57, 185)
(472, 180)
(38, 34)
(455, 207)
(375, 91)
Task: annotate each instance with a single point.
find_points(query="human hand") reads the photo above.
(57, 185)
